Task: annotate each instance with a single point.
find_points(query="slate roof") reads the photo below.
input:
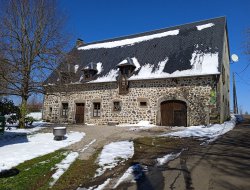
(177, 50)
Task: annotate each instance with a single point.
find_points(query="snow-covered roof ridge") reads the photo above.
(129, 41)
(203, 26)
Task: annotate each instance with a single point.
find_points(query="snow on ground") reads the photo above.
(24, 147)
(209, 133)
(35, 115)
(114, 153)
(99, 187)
(130, 41)
(133, 173)
(169, 157)
(63, 166)
(142, 125)
(36, 126)
(201, 27)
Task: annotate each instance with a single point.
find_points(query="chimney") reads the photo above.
(79, 42)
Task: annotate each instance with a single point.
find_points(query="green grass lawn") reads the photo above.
(34, 174)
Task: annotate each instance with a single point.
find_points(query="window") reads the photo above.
(143, 104)
(117, 106)
(97, 109)
(65, 109)
(65, 77)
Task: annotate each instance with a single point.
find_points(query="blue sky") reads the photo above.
(94, 20)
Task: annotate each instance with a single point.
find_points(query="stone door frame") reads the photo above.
(165, 99)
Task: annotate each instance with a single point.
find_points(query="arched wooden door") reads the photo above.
(174, 113)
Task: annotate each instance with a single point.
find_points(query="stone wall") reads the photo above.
(195, 91)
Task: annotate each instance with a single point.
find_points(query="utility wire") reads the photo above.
(242, 79)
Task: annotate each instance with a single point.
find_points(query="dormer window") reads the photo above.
(90, 71)
(65, 77)
(126, 67)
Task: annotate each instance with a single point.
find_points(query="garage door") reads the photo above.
(174, 113)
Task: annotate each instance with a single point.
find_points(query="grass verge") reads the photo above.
(81, 172)
(33, 174)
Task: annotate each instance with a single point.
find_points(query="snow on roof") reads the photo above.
(202, 64)
(130, 41)
(76, 68)
(137, 64)
(201, 27)
(110, 77)
(99, 67)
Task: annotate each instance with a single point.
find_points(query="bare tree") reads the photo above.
(31, 43)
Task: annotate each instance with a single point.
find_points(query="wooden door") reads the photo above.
(79, 117)
(173, 113)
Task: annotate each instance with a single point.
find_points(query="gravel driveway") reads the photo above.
(98, 136)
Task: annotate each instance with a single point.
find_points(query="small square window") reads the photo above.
(143, 104)
(117, 106)
(97, 109)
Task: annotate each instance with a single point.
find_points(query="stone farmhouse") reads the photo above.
(177, 76)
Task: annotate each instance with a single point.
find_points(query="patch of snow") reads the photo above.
(111, 76)
(25, 147)
(129, 42)
(201, 27)
(63, 166)
(81, 77)
(136, 62)
(99, 67)
(76, 68)
(88, 145)
(36, 126)
(145, 72)
(161, 66)
(123, 62)
(132, 174)
(209, 133)
(113, 154)
(128, 176)
(141, 125)
(102, 186)
(167, 158)
(89, 124)
(202, 64)
(99, 187)
(35, 115)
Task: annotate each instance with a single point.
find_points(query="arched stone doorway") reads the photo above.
(174, 113)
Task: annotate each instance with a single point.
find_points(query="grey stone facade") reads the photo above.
(198, 93)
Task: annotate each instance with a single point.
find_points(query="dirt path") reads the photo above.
(98, 136)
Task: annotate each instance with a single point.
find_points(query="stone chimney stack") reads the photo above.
(79, 42)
